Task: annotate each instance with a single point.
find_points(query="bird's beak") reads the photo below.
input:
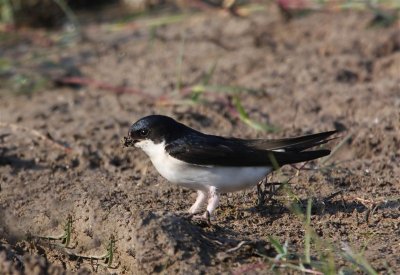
(129, 141)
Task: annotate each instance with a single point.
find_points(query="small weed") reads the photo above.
(244, 116)
(197, 90)
(357, 260)
(26, 83)
(108, 257)
(65, 238)
(204, 87)
(383, 18)
(69, 13)
(307, 236)
(336, 148)
(321, 264)
(324, 262)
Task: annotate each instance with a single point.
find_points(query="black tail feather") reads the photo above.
(283, 158)
(296, 144)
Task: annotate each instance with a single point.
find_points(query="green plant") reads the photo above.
(65, 238)
(323, 261)
(244, 116)
(205, 93)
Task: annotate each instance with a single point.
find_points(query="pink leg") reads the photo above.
(201, 199)
(213, 200)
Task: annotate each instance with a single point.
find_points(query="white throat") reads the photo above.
(169, 167)
(152, 149)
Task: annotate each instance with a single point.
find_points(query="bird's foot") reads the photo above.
(204, 219)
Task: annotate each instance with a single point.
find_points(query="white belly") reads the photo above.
(201, 177)
(225, 179)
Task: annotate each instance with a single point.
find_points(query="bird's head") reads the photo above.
(154, 128)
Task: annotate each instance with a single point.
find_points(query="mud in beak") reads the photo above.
(129, 142)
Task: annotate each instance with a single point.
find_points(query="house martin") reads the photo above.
(211, 164)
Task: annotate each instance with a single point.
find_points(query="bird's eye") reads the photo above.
(144, 132)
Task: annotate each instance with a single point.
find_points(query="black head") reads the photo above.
(156, 128)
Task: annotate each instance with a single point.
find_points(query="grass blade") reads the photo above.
(307, 237)
(358, 260)
(70, 14)
(226, 89)
(280, 249)
(210, 73)
(243, 116)
(336, 148)
(200, 89)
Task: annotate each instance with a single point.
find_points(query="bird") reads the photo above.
(212, 165)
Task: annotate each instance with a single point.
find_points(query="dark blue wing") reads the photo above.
(213, 150)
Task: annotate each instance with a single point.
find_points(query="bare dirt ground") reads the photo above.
(320, 72)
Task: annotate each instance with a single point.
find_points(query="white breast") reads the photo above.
(201, 177)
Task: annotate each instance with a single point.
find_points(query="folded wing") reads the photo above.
(214, 150)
